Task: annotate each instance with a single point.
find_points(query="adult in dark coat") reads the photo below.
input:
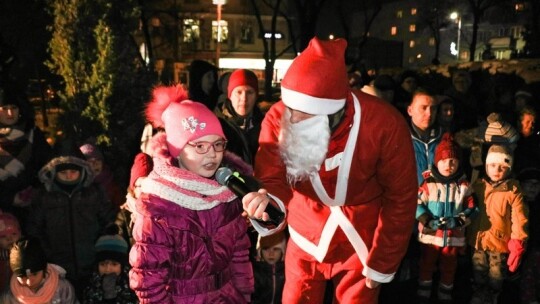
(23, 151)
(241, 114)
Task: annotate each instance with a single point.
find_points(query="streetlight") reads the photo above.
(457, 17)
(219, 4)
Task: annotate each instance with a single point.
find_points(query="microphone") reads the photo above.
(238, 185)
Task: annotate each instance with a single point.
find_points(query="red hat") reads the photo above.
(316, 82)
(242, 77)
(183, 120)
(447, 148)
(8, 224)
(142, 166)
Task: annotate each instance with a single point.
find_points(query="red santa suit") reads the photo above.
(353, 218)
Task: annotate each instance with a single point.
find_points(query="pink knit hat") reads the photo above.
(183, 120)
(316, 82)
(242, 77)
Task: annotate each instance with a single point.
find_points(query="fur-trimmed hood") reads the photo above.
(48, 172)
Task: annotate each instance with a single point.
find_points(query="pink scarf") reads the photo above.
(45, 293)
(185, 188)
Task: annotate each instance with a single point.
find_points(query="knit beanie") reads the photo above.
(91, 152)
(142, 166)
(499, 131)
(447, 148)
(499, 154)
(8, 224)
(242, 77)
(183, 120)
(316, 82)
(112, 246)
(27, 256)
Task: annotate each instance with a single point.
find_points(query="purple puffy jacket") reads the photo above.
(185, 255)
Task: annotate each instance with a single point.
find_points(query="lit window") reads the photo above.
(218, 35)
(431, 41)
(413, 11)
(519, 7)
(393, 31)
(412, 28)
(411, 43)
(419, 56)
(191, 30)
(399, 14)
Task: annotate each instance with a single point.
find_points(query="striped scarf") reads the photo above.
(185, 188)
(15, 150)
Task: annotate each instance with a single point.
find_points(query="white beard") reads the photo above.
(303, 145)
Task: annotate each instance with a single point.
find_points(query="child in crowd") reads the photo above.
(103, 174)
(33, 280)
(529, 180)
(499, 233)
(69, 213)
(269, 269)
(445, 205)
(110, 280)
(191, 244)
(10, 232)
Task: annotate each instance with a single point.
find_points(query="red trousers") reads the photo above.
(447, 258)
(305, 277)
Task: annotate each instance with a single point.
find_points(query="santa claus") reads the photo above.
(342, 163)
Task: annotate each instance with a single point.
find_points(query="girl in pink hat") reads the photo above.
(190, 237)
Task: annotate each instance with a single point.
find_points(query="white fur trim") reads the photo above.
(344, 168)
(336, 219)
(262, 230)
(499, 158)
(377, 276)
(311, 104)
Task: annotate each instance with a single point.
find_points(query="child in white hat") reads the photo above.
(499, 233)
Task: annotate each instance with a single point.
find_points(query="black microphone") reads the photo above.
(237, 184)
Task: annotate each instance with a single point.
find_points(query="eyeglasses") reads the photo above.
(202, 147)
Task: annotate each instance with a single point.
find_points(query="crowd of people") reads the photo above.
(393, 189)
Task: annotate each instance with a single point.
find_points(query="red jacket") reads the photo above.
(377, 188)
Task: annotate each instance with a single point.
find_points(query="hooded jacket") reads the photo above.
(502, 216)
(68, 224)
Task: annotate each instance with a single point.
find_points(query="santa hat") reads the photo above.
(112, 246)
(183, 120)
(242, 77)
(447, 148)
(316, 82)
(498, 154)
(8, 224)
(499, 131)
